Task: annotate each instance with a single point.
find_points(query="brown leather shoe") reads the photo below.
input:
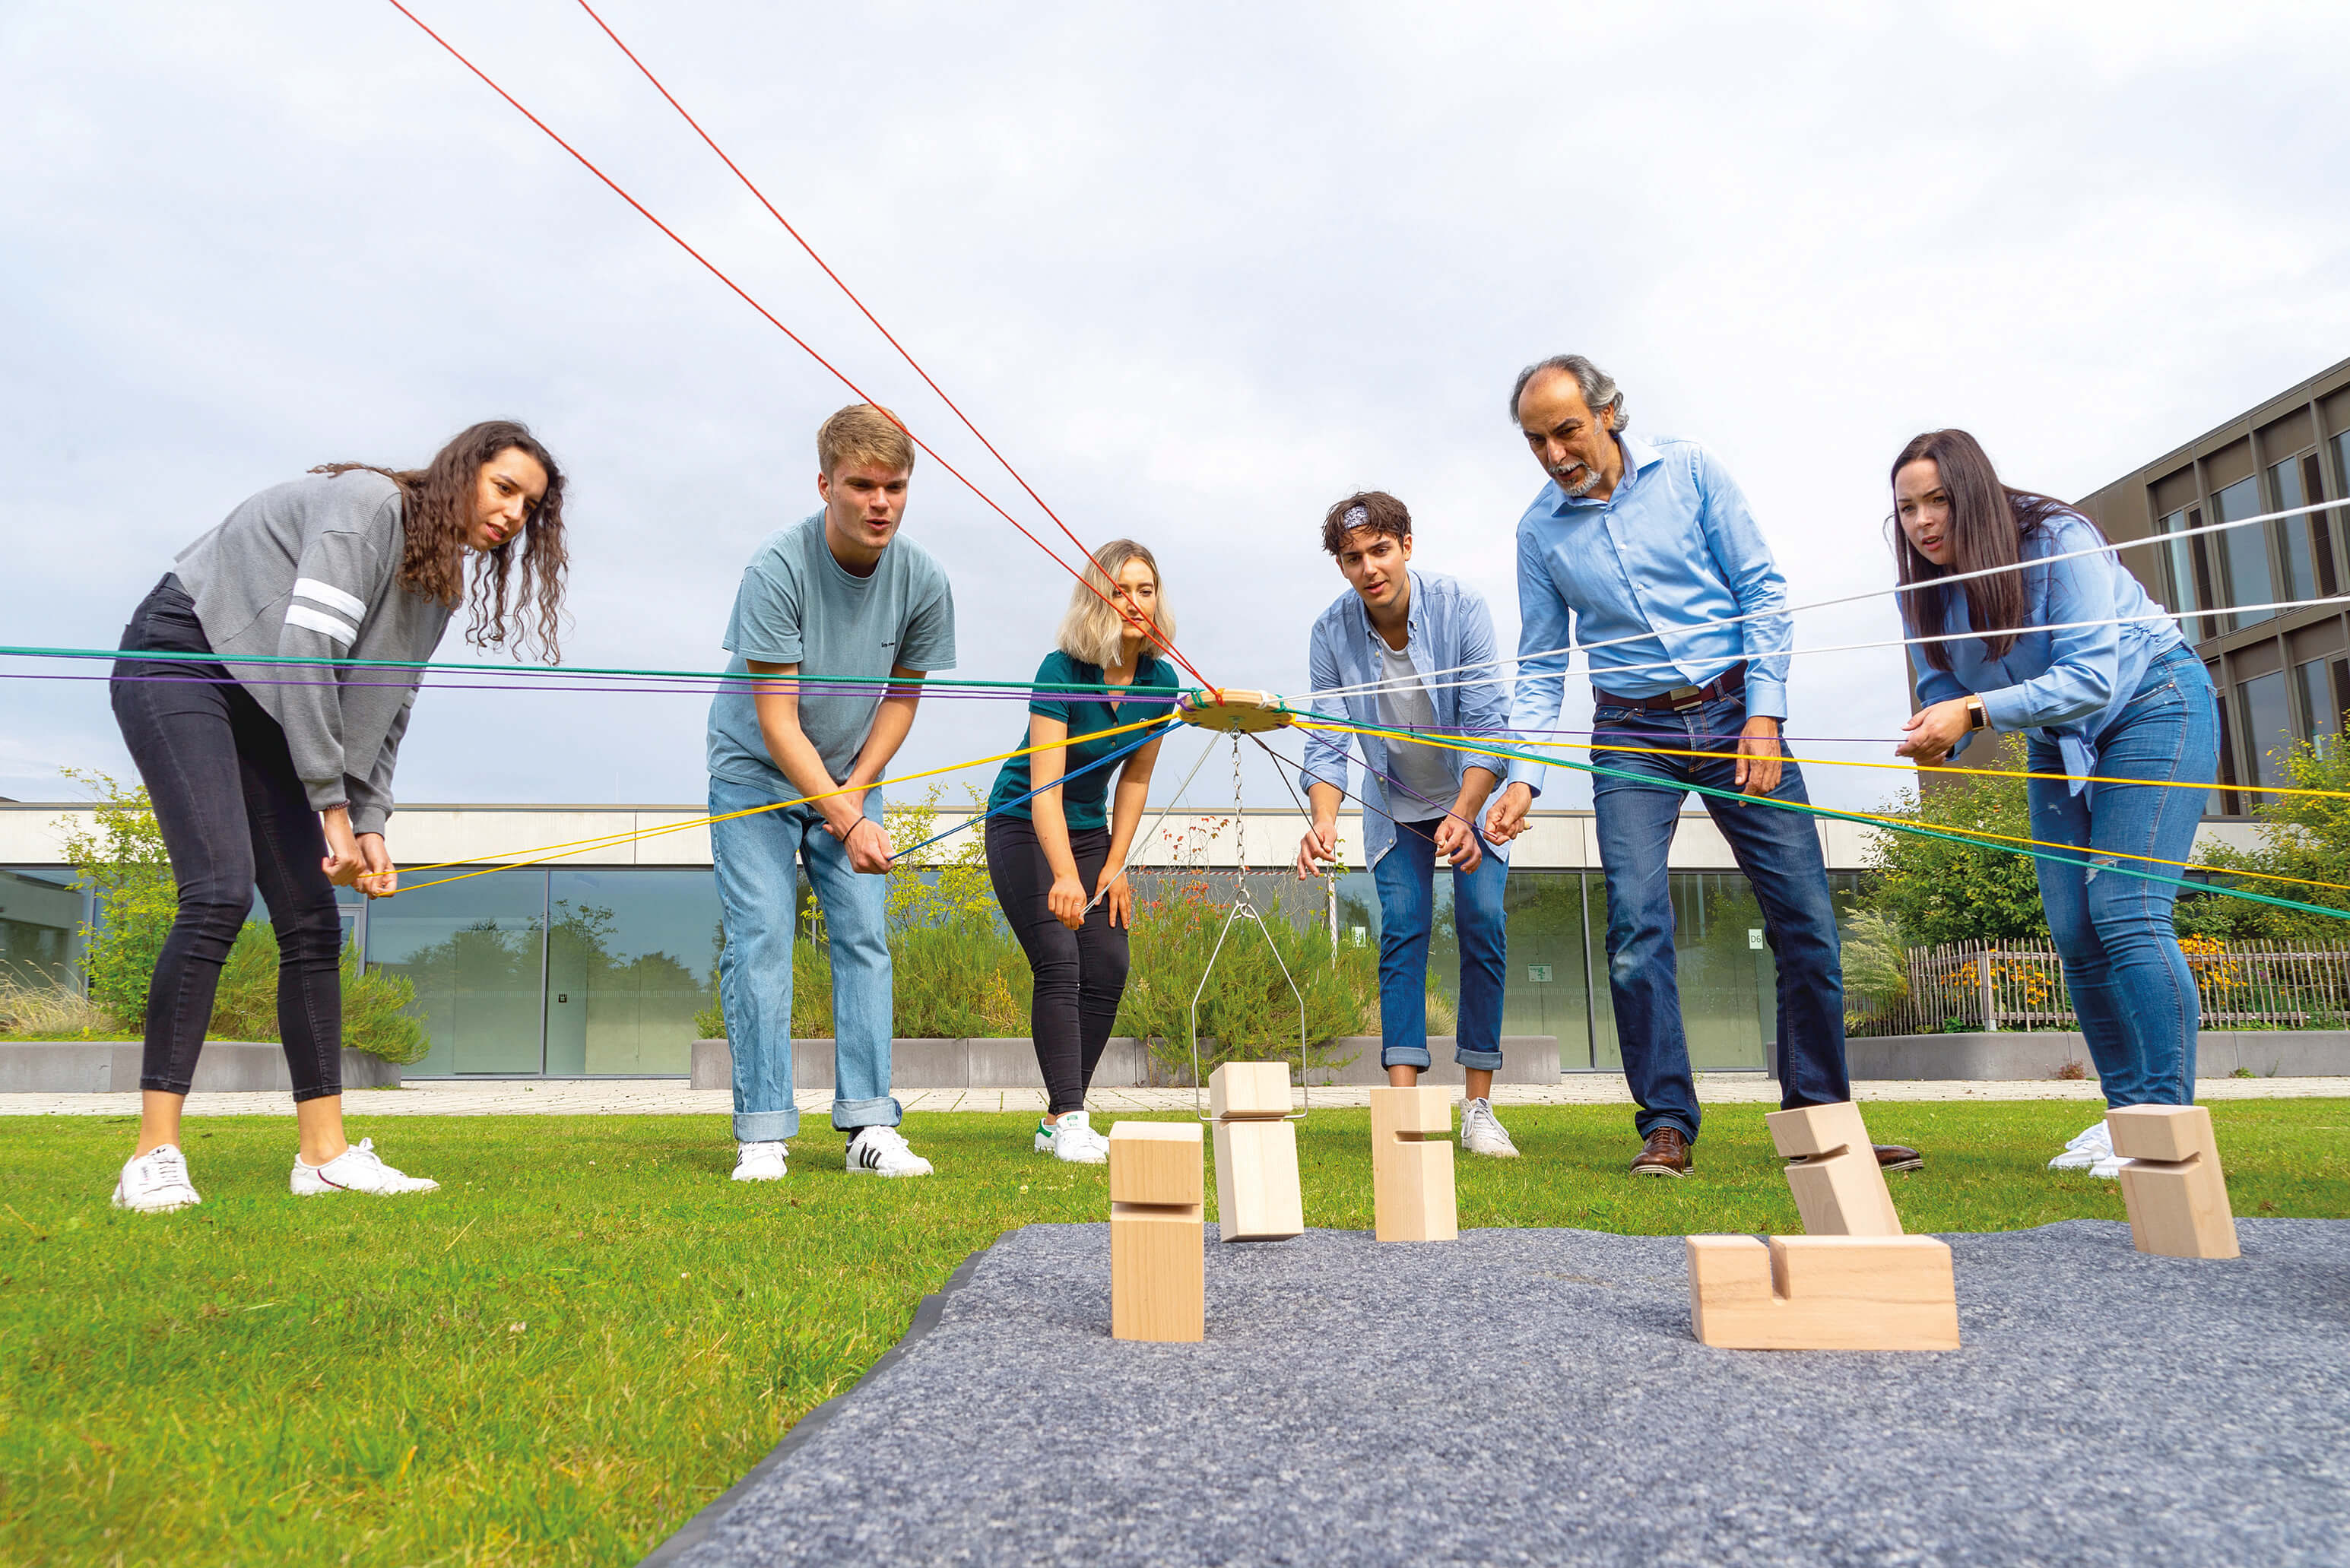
(1667, 1153)
(1893, 1156)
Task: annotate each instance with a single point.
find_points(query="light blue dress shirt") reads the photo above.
(1673, 549)
(1449, 627)
(2065, 685)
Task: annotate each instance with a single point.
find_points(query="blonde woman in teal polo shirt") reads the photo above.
(1057, 859)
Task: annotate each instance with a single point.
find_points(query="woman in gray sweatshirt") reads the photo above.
(280, 773)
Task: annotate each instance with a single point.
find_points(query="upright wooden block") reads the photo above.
(1839, 1190)
(1412, 1163)
(1257, 1195)
(2172, 1185)
(1157, 1235)
(1822, 1292)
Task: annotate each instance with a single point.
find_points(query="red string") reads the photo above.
(737, 290)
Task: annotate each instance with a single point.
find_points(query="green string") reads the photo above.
(745, 677)
(1922, 831)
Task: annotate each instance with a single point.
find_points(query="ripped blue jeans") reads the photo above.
(2131, 987)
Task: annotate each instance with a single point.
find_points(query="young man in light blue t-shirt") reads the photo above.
(839, 598)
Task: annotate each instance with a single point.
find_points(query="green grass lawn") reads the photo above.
(591, 1332)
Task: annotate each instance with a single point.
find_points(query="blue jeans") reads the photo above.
(2131, 987)
(1779, 850)
(756, 892)
(1406, 878)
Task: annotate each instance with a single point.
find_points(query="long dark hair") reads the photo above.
(1989, 523)
(436, 509)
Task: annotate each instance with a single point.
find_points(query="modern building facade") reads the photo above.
(2283, 676)
(597, 964)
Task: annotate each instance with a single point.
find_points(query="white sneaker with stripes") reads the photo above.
(1481, 1131)
(1072, 1138)
(356, 1169)
(2085, 1149)
(881, 1151)
(156, 1182)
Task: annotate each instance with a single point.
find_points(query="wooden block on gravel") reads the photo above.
(1839, 1188)
(1822, 1292)
(2171, 1182)
(1412, 1163)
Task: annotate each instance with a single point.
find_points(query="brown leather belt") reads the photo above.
(1730, 682)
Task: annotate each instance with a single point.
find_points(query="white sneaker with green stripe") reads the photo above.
(1071, 1137)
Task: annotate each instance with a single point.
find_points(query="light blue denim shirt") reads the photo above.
(2065, 685)
(1450, 628)
(1672, 551)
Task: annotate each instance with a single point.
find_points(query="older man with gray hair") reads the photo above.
(1644, 553)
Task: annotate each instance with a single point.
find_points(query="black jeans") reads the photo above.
(232, 814)
(1080, 974)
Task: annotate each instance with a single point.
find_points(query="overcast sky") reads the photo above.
(1198, 270)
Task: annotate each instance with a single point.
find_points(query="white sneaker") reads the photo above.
(1482, 1132)
(355, 1170)
(156, 1182)
(2086, 1148)
(760, 1161)
(881, 1151)
(1075, 1140)
(2108, 1168)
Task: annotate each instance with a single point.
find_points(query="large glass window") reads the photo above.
(632, 957)
(2178, 557)
(2300, 563)
(2268, 726)
(475, 952)
(1548, 990)
(2318, 697)
(2245, 550)
(40, 928)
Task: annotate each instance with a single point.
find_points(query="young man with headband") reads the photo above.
(840, 597)
(1376, 646)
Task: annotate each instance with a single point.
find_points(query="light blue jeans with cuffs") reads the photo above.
(757, 890)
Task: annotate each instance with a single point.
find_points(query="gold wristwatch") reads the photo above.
(1975, 717)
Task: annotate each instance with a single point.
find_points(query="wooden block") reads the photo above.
(1822, 1292)
(2172, 1185)
(1257, 1197)
(1412, 1163)
(1158, 1273)
(1240, 1089)
(1839, 1190)
(1158, 1231)
(1157, 1162)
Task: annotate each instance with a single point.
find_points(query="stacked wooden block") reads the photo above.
(1257, 1196)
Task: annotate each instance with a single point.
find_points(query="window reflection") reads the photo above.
(2245, 551)
(632, 958)
(2268, 726)
(474, 951)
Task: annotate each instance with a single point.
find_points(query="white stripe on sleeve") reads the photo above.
(331, 596)
(319, 620)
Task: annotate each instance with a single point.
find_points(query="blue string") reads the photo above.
(1130, 748)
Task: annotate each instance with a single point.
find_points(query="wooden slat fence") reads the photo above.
(2021, 985)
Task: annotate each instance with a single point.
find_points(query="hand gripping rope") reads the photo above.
(1238, 713)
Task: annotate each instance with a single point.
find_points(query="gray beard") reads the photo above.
(1590, 481)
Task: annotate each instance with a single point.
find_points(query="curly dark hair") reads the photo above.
(1382, 513)
(436, 508)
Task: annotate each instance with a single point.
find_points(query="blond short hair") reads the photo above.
(1092, 629)
(863, 432)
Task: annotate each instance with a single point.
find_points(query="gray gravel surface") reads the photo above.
(1536, 1397)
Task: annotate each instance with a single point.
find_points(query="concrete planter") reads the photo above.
(1011, 1063)
(111, 1066)
(2005, 1055)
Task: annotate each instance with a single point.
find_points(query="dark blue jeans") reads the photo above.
(2131, 986)
(1406, 878)
(1779, 850)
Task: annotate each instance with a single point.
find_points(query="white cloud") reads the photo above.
(1198, 272)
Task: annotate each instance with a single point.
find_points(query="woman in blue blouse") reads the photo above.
(2074, 654)
(1056, 860)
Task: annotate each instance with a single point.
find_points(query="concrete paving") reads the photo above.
(1536, 1397)
(673, 1097)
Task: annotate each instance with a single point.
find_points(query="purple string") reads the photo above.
(682, 689)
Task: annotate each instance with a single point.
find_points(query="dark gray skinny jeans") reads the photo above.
(232, 814)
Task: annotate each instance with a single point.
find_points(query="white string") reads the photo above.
(1910, 641)
(1384, 685)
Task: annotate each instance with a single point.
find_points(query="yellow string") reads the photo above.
(612, 840)
(1923, 768)
(1893, 821)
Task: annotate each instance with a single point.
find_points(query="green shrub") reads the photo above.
(376, 1005)
(1938, 890)
(121, 857)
